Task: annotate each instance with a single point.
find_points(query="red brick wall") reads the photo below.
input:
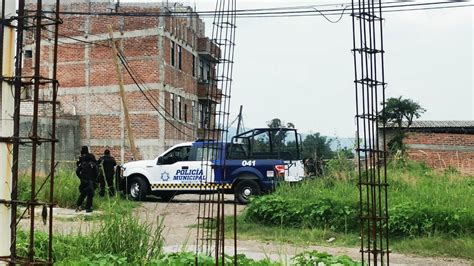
(145, 126)
(88, 80)
(70, 53)
(442, 150)
(104, 127)
(71, 75)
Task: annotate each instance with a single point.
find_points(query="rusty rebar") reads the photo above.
(16, 124)
(53, 130)
(34, 126)
(368, 57)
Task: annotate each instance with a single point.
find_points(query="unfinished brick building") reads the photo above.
(170, 58)
(441, 144)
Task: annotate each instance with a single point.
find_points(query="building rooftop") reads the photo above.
(454, 126)
(442, 123)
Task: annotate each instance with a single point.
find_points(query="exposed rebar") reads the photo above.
(369, 82)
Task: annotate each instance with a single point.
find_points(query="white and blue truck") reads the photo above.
(253, 162)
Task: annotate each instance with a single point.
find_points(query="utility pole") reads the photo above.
(123, 96)
(239, 121)
(7, 39)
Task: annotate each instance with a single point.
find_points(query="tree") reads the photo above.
(315, 145)
(276, 122)
(279, 137)
(396, 111)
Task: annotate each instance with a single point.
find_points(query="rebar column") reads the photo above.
(370, 85)
(36, 20)
(55, 86)
(211, 211)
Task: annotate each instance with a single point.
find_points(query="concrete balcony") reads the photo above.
(204, 92)
(208, 50)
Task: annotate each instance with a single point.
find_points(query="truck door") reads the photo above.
(175, 167)
(205, 155)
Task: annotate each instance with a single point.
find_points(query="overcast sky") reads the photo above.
(301, 70)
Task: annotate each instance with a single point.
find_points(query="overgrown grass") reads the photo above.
(436, 245)
(283, 234)
(66, 188)
(423, 205)
(123, 240)
(120, 237)
(66, 192)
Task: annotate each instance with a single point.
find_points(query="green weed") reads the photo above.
(422, 202)
(120, 236)
(322, 258)
(66, 192)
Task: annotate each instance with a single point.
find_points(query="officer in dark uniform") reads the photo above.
(108, 164)
(88, 175)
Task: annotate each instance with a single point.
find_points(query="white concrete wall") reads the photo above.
(6, 130)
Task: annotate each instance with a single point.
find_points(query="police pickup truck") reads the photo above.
(253, 162)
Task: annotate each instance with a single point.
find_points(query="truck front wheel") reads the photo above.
(246, 189)
(137, 188)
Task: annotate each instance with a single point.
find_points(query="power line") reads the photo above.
(338, 13)
(259, 12)
(332, 21)
(143, 83)
(79, 40)
(203, 12)
(306, 13)
(148, 99)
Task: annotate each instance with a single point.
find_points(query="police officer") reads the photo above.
(87, 171)
(108, 165)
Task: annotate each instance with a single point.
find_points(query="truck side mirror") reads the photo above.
(160, 160)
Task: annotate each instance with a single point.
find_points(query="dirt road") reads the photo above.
(180, 217)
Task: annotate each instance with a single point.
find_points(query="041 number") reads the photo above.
(248, 163)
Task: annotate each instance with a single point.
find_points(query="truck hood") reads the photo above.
(139, 164)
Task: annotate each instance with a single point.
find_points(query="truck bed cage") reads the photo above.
(266, 143)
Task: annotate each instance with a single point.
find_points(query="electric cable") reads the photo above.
(139, 87)
(331, 21)
(287, 12)
(324, 13)
(251, 12)
(143, 84)
(337, 13)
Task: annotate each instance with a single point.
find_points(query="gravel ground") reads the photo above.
(179, 220)
(180, 215)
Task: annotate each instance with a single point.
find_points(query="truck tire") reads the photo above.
(246, 189)
(138, 189)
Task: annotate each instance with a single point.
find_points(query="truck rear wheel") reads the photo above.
(137, 189)
(246, 189)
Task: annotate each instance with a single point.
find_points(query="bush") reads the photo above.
(421, 203)
(408, 219)
(322, 258)
(322, 213)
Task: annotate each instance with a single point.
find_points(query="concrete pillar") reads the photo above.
(6, 129)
